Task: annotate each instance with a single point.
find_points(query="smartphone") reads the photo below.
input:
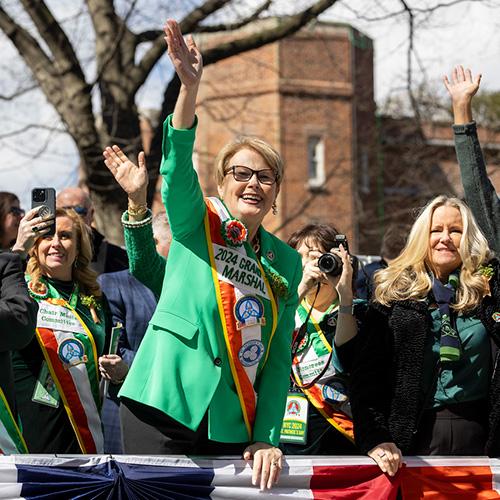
(45, 198)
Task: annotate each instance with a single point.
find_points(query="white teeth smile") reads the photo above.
(251, 197)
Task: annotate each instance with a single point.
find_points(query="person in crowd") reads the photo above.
(393, 241)
(479, 191)
(57, 373)
(325, 329)
(11, 214)
(17, 322)
(106, 257)
(123, 291)
(211, 374)
(424, 382)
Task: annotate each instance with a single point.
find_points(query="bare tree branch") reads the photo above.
(98, 15)
(18, 93)
(64, 56)
(29, 49)
(427, 10)
(32, 126)
(284, 27)
(211, 28)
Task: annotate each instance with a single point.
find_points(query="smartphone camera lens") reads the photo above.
(38, 195)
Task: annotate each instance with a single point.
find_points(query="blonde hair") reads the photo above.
(407, 277)
(270, 155)
(81, 272)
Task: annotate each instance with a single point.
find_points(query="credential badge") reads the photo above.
(251, 352)
(249, 311)
(71, 352)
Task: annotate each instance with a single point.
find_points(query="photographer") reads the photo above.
(323, 345)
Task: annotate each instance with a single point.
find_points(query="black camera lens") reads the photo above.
(331, 264)
(38, 195)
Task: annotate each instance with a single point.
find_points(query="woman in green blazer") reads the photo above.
(213, 367)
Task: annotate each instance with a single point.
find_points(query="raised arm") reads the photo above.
(480, 193)
(144, 261)
(181, 192)
(188, 65)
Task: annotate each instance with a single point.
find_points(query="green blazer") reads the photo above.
(182, 366)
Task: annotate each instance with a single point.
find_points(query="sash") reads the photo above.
(246, 307)
(11, 439)
(70, 352)
(308, 362)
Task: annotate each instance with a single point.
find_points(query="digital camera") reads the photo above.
(331, 264)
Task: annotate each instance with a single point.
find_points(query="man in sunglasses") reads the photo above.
(107, 258)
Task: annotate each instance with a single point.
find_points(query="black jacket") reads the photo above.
(387, 397)
(17, 318)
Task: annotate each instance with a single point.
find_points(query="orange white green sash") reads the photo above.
(70, 352)
(11, 439)
(247, 308)
(307, 355)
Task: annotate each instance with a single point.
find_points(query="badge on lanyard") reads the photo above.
(294, 427)
(249, 311)
(45, 391)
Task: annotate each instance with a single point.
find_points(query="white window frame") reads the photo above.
(316, 154)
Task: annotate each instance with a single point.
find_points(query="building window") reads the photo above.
(316, 161)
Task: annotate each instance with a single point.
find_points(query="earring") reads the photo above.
(275, 208)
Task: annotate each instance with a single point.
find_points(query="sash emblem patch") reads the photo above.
(249, 311)
(71, 352)
(251, 352)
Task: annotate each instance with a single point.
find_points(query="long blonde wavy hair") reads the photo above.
(407, 277)
(81, 272)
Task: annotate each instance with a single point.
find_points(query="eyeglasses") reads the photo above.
(16, 211)
(244, 174)
(79, 209)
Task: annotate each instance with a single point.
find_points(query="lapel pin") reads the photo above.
(496, 317)
(270, 255)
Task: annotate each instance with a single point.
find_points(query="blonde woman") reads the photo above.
(422, 382)
(57, 373)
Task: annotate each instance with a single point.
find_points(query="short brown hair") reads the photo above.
(270, 155)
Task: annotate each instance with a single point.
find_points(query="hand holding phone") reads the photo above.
(45, 198)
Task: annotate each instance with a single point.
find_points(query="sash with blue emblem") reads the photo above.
(246, 304)
(71, 356)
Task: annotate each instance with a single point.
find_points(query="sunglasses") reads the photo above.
(18, 212)
(244, 174)
(79, 209)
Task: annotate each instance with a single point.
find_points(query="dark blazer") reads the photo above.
(132, 304)
(386, 390)
(107, 258)
(17, 318)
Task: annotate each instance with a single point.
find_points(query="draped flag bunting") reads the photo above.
(183, 478)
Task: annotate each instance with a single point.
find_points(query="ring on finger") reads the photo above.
(35, 229)
(275, 463)
(382, 455)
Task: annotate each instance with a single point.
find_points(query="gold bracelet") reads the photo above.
(137, 211)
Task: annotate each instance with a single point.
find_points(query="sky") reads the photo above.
(465, 33)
